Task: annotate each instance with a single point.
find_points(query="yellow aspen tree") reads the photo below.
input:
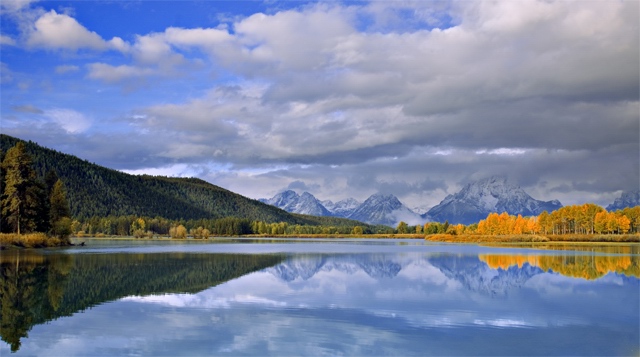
(623, 224)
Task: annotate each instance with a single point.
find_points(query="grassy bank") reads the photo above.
(33, 240)
(273, 236)
(534, 238)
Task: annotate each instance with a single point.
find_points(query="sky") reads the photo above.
(337, 98)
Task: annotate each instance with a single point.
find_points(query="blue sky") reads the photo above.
(342, 99)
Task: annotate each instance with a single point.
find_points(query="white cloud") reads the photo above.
(15, 5)
(119, 45)
(153, 49)
(70, 120)
(205, 37)
(112, 74)
(53, 30)
(7, 41)
(61, 31)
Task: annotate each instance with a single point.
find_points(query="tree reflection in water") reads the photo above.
(36, 288)
(618, 259)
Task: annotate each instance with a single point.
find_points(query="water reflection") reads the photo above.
(577, 266)
(37, 288)
(412, 303)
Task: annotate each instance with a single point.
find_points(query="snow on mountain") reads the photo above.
(495, 194)
(343, 208)
(627, 199)
(421, 209)
(306, 203)
(285, 200)
(473, 203)
(386, 210)
(377, 209)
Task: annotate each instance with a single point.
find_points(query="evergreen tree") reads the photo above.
(59, 213)
(22, 197)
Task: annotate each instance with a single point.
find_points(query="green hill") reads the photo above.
(94, 190)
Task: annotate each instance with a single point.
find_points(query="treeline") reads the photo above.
(579, 219)
(583, 219)
(147, 227)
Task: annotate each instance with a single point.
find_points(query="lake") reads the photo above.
(320, 297)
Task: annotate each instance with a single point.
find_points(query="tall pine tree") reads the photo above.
(22, 199)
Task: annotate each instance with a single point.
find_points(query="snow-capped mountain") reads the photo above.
(290, 201)
(385, 209)
(473, 203)
(343, 208)
(495, 194)
(377, 209)
(627, 199)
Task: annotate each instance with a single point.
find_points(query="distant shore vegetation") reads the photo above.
(580, 223)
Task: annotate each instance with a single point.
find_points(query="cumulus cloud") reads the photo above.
(61, 31)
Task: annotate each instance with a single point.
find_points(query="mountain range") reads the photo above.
(470, 205)
(377, 209)
(473, 203)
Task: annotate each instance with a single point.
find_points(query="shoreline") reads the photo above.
(41, 240)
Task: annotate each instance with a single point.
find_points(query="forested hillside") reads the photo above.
(96, 191)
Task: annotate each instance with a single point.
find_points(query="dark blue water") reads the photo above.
(323, 297)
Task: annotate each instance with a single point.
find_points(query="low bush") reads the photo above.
(32, 240)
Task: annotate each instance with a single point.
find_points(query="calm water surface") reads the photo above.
(320, 297)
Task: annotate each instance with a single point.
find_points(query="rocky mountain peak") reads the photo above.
(385, 209)
(494, 194)
(626, 199)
